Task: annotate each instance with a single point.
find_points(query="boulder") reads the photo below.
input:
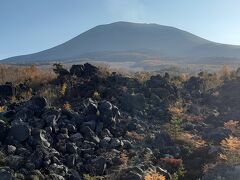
(76, 137)
(99, 165)
(89, 134)
(84, 70)
(38, 103)
(71, 148)
(133, 102)
(131, 175)
(39, 137)
(5, 173)
(11, 149)
(104, 143)
(3, 130)
(108, 113)
(19, 132)
(223, 172)
(216, 135)
(115, 143)
(7, 90)
(15, 162)
(162, 139)
(54, 176)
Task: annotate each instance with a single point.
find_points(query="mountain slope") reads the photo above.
(120, 40)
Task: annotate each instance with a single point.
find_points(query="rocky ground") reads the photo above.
(104, 125)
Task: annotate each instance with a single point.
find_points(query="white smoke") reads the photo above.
(130, 10)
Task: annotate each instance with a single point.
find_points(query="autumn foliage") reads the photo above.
(154, 176)
(18, 74)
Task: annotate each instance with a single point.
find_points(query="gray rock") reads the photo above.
(163, 172)
(76, 137)
(223, 172)
(106, 133)
(11, 149)
(115, 143)
(217, 135)
(3, 129)
(19, 132)
(107, 114)
(104, 143)
(51, 120)
(90, 124)
(99, 127)
(162, 139)
(58, 169)
(38, 174)
(71, 128)
(89, 134)
(99, 165)
(71, 148)
(133, 102)
(127, 144)
(30, 166)
(91, 108)
(40, 138)
(38, 103)
(5, 174)
(131, 175)
(54, 176)
(74, 175)
(14, 161)
(70, 160)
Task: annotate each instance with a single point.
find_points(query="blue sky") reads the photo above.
(28, 26)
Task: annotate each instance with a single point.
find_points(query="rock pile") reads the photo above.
(48, 143)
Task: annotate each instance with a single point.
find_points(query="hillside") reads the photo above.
(124, 41)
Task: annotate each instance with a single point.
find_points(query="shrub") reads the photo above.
(63, 89)
(231, 144)
(179, 173)
(2, 109)
(67, 106)
(2, 158)
(233, 126)
(123, 158)
(135, 135)
(194, 141)
(175, 127)
(225, 72)
(154, 176)
(231, 150)
(173, 162)
(96, 95)
(88, 177)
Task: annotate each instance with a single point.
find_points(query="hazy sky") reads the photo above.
(28, 26)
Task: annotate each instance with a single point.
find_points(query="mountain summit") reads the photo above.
(125, 41)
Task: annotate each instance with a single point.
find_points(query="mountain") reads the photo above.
(125, 41)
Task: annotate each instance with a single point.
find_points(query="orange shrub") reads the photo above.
(233, 126)
(123, 158)
(2, 109)
(231, 144)
(154, 176)
(195, 141)
(135, 135)
(67, 106)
